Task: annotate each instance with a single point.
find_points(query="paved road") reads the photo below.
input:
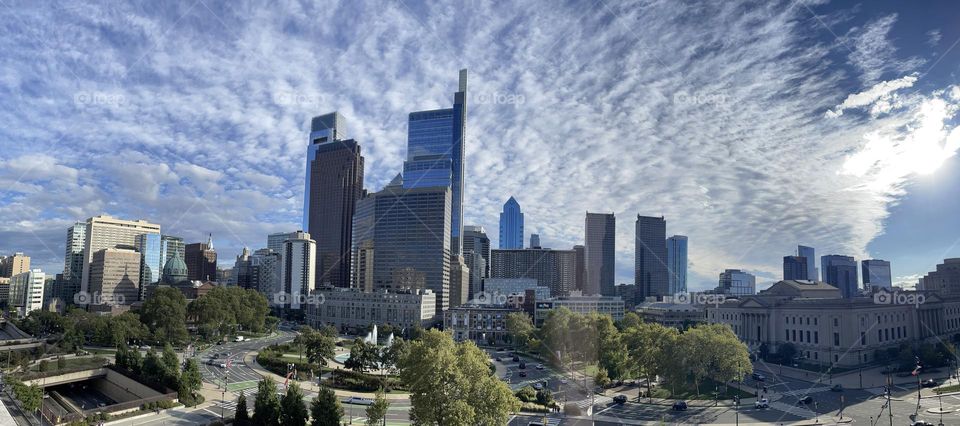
(239, 376)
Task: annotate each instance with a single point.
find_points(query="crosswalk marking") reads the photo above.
(801, 392)
(792, 409)
(598, 400)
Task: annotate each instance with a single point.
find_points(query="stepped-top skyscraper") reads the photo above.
(841, 272)
(334, 183)
(600, 231)
(810, 254)
(435, 155)
(650, 263)
(511, 225)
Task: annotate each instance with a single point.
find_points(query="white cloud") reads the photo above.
(881, 96)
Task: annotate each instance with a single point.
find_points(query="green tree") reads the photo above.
(325, 408)
(713, 350)
(652, 351)
(520, 328)
(30, 397)
(601, 378)
(630, 320)
(451, 384)
(611, 351)
(170, 366)
(556, 333)
(152, 370)
(390, 357)
(266, 407)
(292, 410)
(190, 382)
(165, 314)
(319, 346)
(377, 411)
(363, 356)
(241, 417)
(126, 327)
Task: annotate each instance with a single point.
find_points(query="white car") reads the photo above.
(762, 403)
(358, 400)
(537, 386)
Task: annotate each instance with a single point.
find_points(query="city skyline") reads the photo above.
(230, 162)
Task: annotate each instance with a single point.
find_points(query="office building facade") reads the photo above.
(580, 270)
(106, 232)
(352, 310)
(511, 225)
(840, 272)
(14, 264)
(650, 262)
(72, 262)
(876, 274)
(795, 268)
(26, 291)
(677, 264)
(334, 183)
(945, 279)
(482, 324)
(201, 260)
(114, 277)
(810, 255)
(435, 155)
(734, 282)
(600, 231)
(476, 252)
(555, 269)
(580, 304)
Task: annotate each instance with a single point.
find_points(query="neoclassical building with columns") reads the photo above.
(828, 329)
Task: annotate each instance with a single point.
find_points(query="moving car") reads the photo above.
(540, 367)
(522, 366)
(759, 377)
(921, 423)
(516, 358)
(929, 383)
(762, 403)
(537, 386)
(837, 388)
(522, 374)
(620, 399)
(358, 400)
(239, 338)
(680, 406)
(805, 400)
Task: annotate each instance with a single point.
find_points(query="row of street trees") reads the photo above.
(634, 349)
(269, 409)
(165, 370)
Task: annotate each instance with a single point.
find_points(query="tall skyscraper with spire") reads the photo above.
(334, 183)
(435, 141)
(511, 225)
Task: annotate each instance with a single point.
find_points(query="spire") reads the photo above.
(210, 241)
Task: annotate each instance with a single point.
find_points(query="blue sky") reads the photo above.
(753, 127)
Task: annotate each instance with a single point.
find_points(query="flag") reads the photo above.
(916, 370)
(229, 362)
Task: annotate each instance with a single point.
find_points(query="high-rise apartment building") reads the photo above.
(555, 269)
(334, 183)
(435, 154)
(411, 232)
(476, 253)
(945, 280)
(795, 268)
(298, 271)
(677, 264)
(72, 262)
(876, 274)
(840, 272)
(511, 225)
(459, 281)
(265, 272)
(242, 270)
(811, 256)
(275, 240)
(106, 232)
(114, 277)
(650, 262)
(201, 260)
(734, 282)
(600, 231)
(26, 291)
(14, 264)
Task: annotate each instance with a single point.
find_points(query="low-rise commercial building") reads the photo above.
(349, 309)
(483, 324)
(668, 314)
(604, 305)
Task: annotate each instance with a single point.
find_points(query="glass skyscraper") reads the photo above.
(435, 155)
(151, 260)
(600, 232)
(650, 262)
(677, 264)
(840, 272)
(511, 225)
(876, 273)
(810, 254)
(795, 268)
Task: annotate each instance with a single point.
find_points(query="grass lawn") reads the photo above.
(689, 391)
(946, 389)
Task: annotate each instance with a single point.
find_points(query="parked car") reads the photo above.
(680, 406)
(563, 380)
(929, 383)
(540, 367)
(837, 388)
(516, 358)
(522, 374)
(921, 423)
(762, 403)
(537, 386)
(759, 377)
(620, 399)
(358, 400)
(805, 400)
(522, 366)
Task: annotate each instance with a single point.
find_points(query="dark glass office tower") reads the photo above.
(334, 183)
(650, 262)
(476, 252)
(841, 272)
(435, 155)
(795, 268)
(600, 231)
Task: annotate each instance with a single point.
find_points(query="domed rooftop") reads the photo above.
(175, 270)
